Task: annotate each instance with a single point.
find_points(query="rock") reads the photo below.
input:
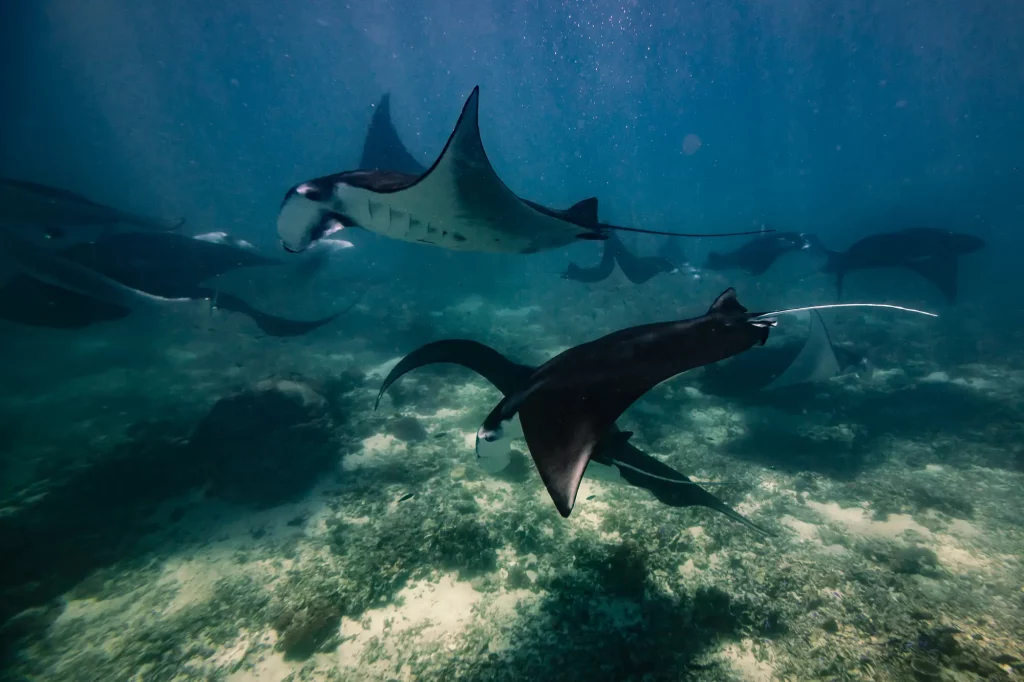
(911, 560)
(265, 446)
(408, 429)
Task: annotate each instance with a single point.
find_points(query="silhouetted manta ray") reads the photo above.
(630, 463)
(930, 252)
(383, 148)
(598, 273)
(758, 254)
(769, 368)
(169, 266)
(459, 203)
(52, 210)
(637, 269)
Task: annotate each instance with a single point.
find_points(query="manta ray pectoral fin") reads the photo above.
(727, 302)
(507, 376)
(565, 427)
(561, 443)
(383, 148)
(583, 213)
(816, 360)
(941, 271)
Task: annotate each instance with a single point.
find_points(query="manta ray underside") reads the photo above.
(615, 456)
(458, 203)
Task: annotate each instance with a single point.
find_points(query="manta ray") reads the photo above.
(614, 458)
(757, 255)
(930, 252)
(105, 280)
(766, 369)
(458, 203)
(569, 404)
(637, 269)
(51, 210)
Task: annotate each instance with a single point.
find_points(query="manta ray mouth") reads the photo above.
(490, 435)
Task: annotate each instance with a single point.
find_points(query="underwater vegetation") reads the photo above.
(187, 493)
(289, 531)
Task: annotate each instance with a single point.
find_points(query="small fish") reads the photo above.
(407, 496)
(441, 435)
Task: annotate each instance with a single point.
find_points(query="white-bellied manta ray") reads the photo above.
(459, 203)
(614, 458)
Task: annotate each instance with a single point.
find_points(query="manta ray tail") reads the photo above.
(620, 228)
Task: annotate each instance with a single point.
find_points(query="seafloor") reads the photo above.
(184, 500)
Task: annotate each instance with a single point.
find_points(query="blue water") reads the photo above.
(841, 119)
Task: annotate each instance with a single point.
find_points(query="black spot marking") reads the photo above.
(318, 190)
(458, 237)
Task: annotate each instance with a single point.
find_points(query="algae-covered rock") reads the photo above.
(408, 429)
(267, 445)
(913, 559)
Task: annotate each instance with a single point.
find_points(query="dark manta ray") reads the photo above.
(52, 210)
(930, 252)
(459, 203)
(614, 450)
(757, 255)
(168, 266)
(637, 269)
(570, 403)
